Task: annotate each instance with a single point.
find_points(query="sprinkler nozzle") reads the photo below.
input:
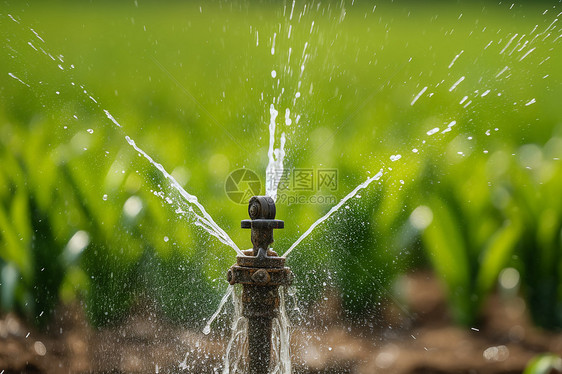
(261, 207)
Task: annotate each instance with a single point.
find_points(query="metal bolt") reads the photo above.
(230, 277)
(261, 277)
(254, 210)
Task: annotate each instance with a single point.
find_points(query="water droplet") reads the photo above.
(432, 131)
(104, 197)
(456, 84)
(91, 131)
(415, 150)
(418, 95)
(40, 348)
(133, 206)
(509, 278)
(421, 217)
(288, 120)
(166, 239)
(273, 74)
(499, 353)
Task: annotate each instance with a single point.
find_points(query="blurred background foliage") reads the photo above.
(82, 216)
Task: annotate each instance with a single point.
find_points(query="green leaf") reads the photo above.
(448, 254)
(544, 364)
(8, 282)
(496, 254)
(12, 248)
(446, 246)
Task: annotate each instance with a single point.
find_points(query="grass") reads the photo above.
(192, 84)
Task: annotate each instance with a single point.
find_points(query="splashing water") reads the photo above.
(433, 131)
(456, 83)
(19, 80)
(202, 219)
(455, 59)
(418, 95)
(281, 339)
(334, 209)
(224, 299)
(235, 358)
(275, 167)
(274, 171)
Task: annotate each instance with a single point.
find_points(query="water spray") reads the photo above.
(260, 271)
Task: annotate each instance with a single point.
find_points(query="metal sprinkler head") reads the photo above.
(260, 271)
(262, 213)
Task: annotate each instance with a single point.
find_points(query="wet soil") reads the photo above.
(417, 337)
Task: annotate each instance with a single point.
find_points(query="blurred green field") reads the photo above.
(82, 215)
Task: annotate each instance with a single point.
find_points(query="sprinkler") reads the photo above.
(260, 271)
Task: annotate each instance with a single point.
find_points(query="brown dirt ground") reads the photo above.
(426, 342)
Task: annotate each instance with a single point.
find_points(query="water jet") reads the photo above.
(260, 271)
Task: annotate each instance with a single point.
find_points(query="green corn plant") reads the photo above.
(469, 241)
(34, 252)
(536, 183)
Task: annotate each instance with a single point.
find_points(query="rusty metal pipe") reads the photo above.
(261, 271)
(259, 345)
